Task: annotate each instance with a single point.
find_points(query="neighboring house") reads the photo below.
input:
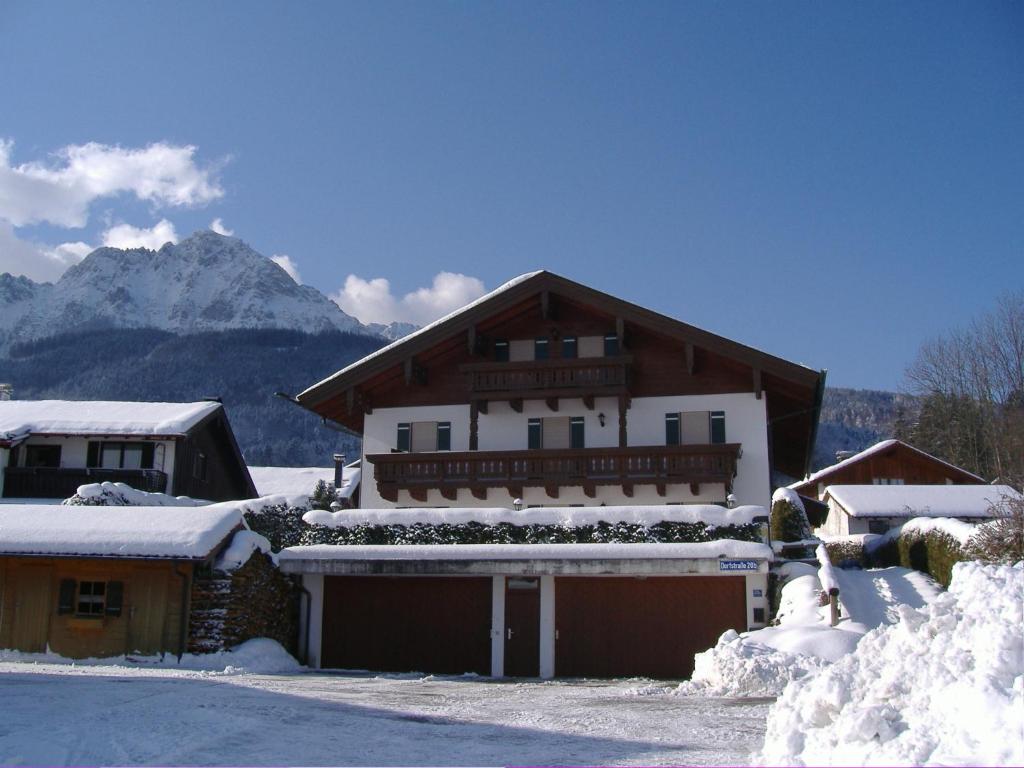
(301, 481)
(546, 398)
(549, 392)
(104, 581)
(877, 508)
(890, 462)
(50, 447)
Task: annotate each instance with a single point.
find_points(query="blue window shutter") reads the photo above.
(718, 426)
(501, 351)
(611, 345)
(534, 438)
(540, 349)
(403, 438)
(569, 347)
(671, 429)
(444, 435)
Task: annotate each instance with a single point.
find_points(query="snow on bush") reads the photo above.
(237, 553)
(123, 495)
(945, 685)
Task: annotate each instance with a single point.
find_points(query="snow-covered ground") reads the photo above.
(57, 714)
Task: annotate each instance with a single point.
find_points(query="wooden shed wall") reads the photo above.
(150, 620)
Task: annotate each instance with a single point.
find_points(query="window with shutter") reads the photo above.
(694, 427)
(424, 436)
(557, 433)
(115, 598)
(91, 595)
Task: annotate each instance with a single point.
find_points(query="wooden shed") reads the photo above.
(104, 581)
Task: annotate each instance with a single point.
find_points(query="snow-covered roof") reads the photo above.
(128, 532)
(876, 448)
(298, 481)
(425, 329)
(20, 418)
(918, 500)
(724, 548)
(709, 514)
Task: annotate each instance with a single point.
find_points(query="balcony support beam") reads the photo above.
(588, 402)
(517, 404)
(474, 426)
(552, 403)
(479, 492)
(695, 489)
(450, 493)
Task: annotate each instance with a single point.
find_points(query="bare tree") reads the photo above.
(971, 384)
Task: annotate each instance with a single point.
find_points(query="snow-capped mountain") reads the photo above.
(392, 331)
(207, 282)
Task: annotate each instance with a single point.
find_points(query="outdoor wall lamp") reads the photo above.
(600, 418)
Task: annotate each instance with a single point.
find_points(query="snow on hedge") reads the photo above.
(243, 545)
(943, 686)
(710, 514)
(134, 532)
(259, 656)
(123, 495)
(787, 494)
(727, 548)
(920, 526)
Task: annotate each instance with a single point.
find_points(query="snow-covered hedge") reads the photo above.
(788, 519)
(929, 545)
(123, 495)
(943, 686)
(283, 525)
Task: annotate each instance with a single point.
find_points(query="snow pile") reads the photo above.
(709, 514)
(763, 662)
(944, 686)
(243, 545)
(123, 495)
(259, 656)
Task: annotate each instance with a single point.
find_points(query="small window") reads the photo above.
(199, 466)
(569, 347)
(402, 443)
(501, 351)
(91, 598)
(444, 435)
(576, 431)
(42, 455)
(534, 434)
(540, 349)
(759, 615)
(115, 455)
(718, 427)
(671, 429)
(611, 345)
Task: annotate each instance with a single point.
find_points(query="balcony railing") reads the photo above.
(544, 378)
(418, 473)
(61, 483)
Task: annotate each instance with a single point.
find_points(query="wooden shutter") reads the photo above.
(576, 431)
(115, 598)
(444, 435)
(694, 427)
(718, 427)
(402, 442)
(424, 436)
(534, 437)
(540, 349)
(66, 600)
(569, 347)
(671, 429)
(501, 351)
(611, 345)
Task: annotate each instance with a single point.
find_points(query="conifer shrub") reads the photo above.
(788, 522)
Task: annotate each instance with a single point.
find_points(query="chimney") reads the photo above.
(6, 392)
(339, 463)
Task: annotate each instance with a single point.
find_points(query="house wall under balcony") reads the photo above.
(503, 428)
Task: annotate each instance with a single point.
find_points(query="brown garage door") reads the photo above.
(625, 627)
(422, 624)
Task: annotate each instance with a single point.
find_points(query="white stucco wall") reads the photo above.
(503, 429)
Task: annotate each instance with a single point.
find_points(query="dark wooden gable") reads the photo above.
(665, 357)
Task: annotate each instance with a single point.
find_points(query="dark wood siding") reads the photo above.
(651, 627)
(423, 624)
(225, 477)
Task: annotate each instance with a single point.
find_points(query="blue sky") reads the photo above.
(833, 183)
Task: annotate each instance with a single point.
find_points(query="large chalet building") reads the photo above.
(540, 396)
(546, 392)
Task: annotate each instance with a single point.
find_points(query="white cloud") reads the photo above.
(288, 265)
(371, 301)
(20, 257)
(217, 225)
(62, 191)
(127, 236)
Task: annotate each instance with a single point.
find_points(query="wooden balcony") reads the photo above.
(62, 483)
(585, 377)
(588, 468)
